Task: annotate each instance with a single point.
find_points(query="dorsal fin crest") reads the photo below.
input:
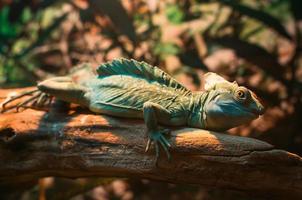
(138, 69)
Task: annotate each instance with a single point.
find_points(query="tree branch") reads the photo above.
(77, 143)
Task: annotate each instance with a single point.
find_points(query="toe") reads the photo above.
(148, 145)
(165, 147)
(167, 143)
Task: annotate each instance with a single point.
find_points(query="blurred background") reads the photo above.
(256, 42)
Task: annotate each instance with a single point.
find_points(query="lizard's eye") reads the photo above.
(241, 94)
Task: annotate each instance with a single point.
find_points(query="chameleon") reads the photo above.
(131, 89)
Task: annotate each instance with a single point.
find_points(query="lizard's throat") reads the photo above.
(197, 116)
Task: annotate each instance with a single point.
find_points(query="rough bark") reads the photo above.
(78, 143)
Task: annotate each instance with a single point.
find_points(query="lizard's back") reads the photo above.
(123, 93)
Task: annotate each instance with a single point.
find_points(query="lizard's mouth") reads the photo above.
(259, 110)
(253, 114)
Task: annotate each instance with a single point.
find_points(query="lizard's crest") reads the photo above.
(213, 80)
(229, 105)
(141, 70)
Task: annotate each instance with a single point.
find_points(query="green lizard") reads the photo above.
(132, 89)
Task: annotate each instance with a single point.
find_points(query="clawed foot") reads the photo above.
(158, 138)
(36, 99)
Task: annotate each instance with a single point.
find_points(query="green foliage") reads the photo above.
(18, 38)
(44, 35)
(165, 49)
(7, 29)
(237, 25)
(174, 14)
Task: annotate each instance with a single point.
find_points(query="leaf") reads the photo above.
(118, 15)
(8, 30)
(43, 36)
(261, 16)
(165, 49)
(174, 14)
(253, 54)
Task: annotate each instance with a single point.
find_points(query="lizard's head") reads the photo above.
(229, 105)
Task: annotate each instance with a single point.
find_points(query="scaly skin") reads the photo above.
(131, 89)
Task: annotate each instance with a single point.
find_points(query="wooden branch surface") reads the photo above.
(78, 143)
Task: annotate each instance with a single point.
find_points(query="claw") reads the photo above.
(165, 148)
(165, 141)
(39, 101)
(158, 138)
(148, 145)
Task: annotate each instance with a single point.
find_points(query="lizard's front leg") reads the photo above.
(152, 112)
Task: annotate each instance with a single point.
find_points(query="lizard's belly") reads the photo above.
(124, 96)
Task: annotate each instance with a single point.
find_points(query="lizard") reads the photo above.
(132, 89)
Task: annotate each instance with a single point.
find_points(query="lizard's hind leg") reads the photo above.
(36, 100)
(12, 98)
(65, 89)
